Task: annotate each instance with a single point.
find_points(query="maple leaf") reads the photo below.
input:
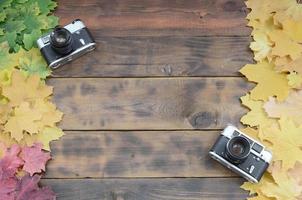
(24, 88)
(286, 143)
(22, 22)
(23, 120)
(50, 115)
(10, 163)
(256, 116)
(284, 188)
(293, 29)
(292, 65)
(28, 188)
(32, 62)
(263, 73)
(284, 45)
(7, 60)
(44, 137)
(6, 140)
(7, 188)
(256, 188)
(294, 80)
(296, 173)
(290, 108)
(261, 46)
(291, 10)
(35, 159)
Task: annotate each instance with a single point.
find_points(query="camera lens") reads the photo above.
(61, 40)
(237, 149)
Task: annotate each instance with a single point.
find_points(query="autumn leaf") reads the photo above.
(290, 108)
(34, 158)
(7, 188)
(26, 19)
(286, 143)
(270, 82)
(44, 137)
(50, 115)
(32, 62)
(256, 116)
(10, 163)
(261, 46)
(284, 187)
(28, 188)
(24, 88)
(23, 120)
(294, 80)
(284, 45)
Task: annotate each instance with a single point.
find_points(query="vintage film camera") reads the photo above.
(241, 154)
(65, 44)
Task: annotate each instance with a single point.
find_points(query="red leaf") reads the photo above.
(35, 159)
(7, 188)
(28, 189)
(10, 163)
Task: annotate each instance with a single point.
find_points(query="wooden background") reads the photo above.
(142, 111)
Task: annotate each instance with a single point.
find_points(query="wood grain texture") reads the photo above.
(149, 104)
(149, 56)
(148, 189)
(135, 154)
(157, 17)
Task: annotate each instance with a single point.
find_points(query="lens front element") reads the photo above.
(237, 149)
(61, 40)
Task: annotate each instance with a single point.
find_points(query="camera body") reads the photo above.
(65, 44)
(241, 154)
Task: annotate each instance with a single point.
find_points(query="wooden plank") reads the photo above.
(148, 56)
(148, 189)
(149, 104)
(135, 154)
(158, 17)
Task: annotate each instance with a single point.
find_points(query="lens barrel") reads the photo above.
(61, 40)
(238, 149)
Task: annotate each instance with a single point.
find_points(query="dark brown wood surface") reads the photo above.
(143, 109)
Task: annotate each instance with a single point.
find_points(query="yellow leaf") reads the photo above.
(264, 27)
(6, 139)
(256, 188)
(23, 120)
(293, 29)
(284, 45)
(286, 142)
(291, 10)
(47, 135)
(50, 115)
(256, 116)
(24, 88)
(293, 66)
(285, 187)
(290, 108)
(270, 82)
(261, 46)
(294, 80)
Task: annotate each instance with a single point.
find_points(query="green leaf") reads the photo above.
(14, 26)
(32, 62)
(5, 3)
(29, 40)
(22, 20)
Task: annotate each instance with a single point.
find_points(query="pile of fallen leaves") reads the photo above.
(28, 119)
(275, 103)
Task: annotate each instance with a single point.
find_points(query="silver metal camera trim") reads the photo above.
(264, 154)
(72, 28)
(84, 49)
(231, 167)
